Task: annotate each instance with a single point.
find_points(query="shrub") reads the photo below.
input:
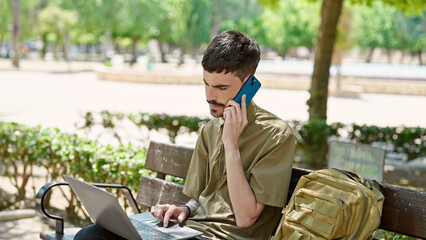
(311, 136)
(23, 147)
(312, 139)
(173, 125)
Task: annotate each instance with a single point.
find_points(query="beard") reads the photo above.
(216, 112)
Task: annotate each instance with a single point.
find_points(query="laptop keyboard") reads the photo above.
(147, 232)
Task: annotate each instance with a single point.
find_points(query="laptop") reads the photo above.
(105, 211)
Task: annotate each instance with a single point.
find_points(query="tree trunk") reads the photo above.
(338, 77)
(420, 58)
(330, 12)
(162, 51)
(342, 44)
(134, 49)
(67, 50)
(389, 55)
(16, 33)
(401, 59)
(370, 55)
(217, 22)
(44, 48)
(216, 19)
(181, 58)
(108, 46)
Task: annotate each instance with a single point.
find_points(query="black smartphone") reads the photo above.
(250, 88)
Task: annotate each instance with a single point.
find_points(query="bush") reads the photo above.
(23, 147)
(173, 125)
(311, 136)
(312, 139)
(411, 141)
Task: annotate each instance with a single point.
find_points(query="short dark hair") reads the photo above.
(232, 51)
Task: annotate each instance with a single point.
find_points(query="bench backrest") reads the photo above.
(404, 210)
(164, 159)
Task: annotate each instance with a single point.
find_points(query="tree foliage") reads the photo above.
(190, 24)
(291, 24)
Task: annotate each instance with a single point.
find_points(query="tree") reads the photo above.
(374, 28)
(165, 29)
(98, 19)
(192, 27)
(5, 21)
(226, 12)
(139, 21)
(330, 13)
(16, 33)
(342, 44)
(412, 30)
(58, 21)
(292, 23)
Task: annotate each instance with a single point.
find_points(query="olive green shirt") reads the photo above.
(266, 148)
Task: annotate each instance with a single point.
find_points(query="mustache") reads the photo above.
(215, 103)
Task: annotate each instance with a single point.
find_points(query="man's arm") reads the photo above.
(246, 208)
(244, 203)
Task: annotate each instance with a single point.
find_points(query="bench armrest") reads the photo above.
(41, 194)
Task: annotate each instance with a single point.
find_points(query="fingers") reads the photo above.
(158, 211)
(182, 216)
(168, 215)
(244, 106)
(166, 212)
(236, 112)
(233, 110)
(231, 113)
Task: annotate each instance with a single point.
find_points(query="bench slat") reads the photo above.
(404, 211)
(157, 191)
(168, 159)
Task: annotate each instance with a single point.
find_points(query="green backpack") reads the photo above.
(332, 204)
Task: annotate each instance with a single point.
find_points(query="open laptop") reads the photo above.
(105, 211)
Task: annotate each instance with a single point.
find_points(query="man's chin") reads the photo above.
(215, 113)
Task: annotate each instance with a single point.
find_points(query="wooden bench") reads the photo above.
(404, 210)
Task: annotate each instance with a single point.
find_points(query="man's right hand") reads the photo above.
(165, 212)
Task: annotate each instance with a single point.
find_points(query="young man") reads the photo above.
(239, 174)
(240, 171)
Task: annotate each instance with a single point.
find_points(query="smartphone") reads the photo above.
(249, 88)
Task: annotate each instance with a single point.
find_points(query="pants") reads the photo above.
(96, 232)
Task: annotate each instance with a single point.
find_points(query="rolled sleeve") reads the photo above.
(270, 176)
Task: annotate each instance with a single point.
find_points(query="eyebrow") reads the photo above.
(216, 86)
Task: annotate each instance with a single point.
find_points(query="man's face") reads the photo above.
(220, 88)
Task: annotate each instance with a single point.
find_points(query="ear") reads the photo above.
(246, 78)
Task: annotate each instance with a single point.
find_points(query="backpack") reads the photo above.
(332, 204)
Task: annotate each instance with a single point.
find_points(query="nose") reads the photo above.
(210, 93)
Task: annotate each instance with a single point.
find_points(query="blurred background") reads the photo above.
(94, 81)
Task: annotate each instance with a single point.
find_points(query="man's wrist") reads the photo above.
(232, 152)
(187, 210)
(192, 206)
(231, 147)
